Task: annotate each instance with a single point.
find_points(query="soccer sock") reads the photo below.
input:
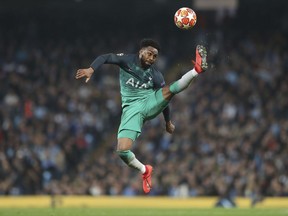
(183, 82)
(129, 158)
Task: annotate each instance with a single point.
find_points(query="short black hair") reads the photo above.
(149, 42)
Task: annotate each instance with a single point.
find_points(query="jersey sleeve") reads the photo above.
(111, 58)
(166, 114)
(159, 81)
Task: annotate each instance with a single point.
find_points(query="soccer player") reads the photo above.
(144, 95)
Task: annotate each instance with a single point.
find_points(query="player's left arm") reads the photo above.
(159, 82)
(110, 58)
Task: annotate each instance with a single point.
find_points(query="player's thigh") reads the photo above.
(155, 104)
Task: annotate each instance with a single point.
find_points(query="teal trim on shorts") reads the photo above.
(129, 134)
(174, 88)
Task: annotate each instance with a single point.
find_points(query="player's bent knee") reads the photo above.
(124, 144)
(167, 93)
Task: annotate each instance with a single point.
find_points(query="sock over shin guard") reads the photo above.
(183, 82)
(129, 158)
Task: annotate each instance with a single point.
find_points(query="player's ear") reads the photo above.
(141, 52)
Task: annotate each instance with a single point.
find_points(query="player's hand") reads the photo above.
(84, 73)
(170, 127)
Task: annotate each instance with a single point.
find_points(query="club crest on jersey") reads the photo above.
(137, 84)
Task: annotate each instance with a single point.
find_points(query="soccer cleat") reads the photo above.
(201, 59)
(147, 183)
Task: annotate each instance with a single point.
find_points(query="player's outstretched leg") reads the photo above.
(201, 66)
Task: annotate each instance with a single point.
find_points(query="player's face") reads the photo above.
(148, 56)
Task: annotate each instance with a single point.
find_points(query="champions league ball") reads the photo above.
(185, 18)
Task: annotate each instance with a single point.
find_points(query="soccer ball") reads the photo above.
(185, 18)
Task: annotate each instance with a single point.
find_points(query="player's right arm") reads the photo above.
(110, 58)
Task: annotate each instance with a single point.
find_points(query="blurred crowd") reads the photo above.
(58, 134)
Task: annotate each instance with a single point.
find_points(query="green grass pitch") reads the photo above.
(139, 212)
